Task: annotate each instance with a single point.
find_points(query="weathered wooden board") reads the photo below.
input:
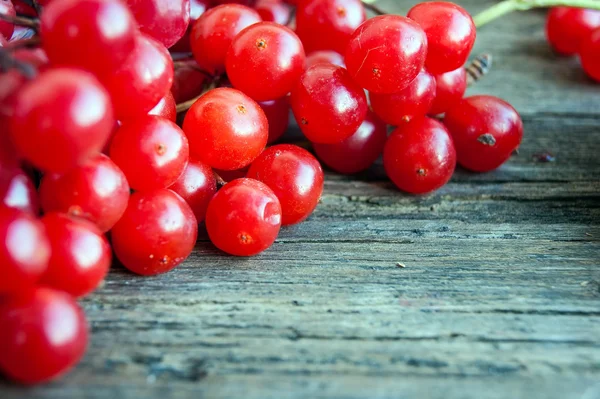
(500, 296)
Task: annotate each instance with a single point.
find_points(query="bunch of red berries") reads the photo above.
(92, 113)
(572, 31)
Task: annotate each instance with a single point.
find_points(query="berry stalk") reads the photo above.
(21, 21)
(508, 6)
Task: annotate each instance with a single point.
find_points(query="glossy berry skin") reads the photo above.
(243, 218)
(24, 250)
(359, 151)
(450, 34)
(44, 334)
(166, 108)
(230, 175)
(96, 35)
(278, 115)
(411, 102)
(61, 119)
(80, 255)
(294, 175)
(265, 61)
(151, 151)
(486, 131)
(157, 232)
(226, 129)
(196, 185)
(197, 8)
(568, 27)
(325, 56)
(142, 80)
(187, 84)
(590, 55)
(450, 88)
(97, 191)
(6, 28)
(214, 31)
(17, 190)
(165, 20)
(273, 11)
(328, 24)
(327, 104)
(386, 53)
(419, 157)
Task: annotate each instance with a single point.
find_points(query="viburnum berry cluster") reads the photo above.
(91, 97)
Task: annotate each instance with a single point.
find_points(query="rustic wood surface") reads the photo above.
(500, 296)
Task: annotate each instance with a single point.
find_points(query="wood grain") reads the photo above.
(499, 296)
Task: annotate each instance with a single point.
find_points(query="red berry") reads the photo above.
(410, 103)
(6, 28)
(386, 53)
(80, 255)
(327, 104)
(24, 250)
(450, 89)
(486, 131)
(165, 20)
(278, 115)
(142, 79)
(324, 56)
(450, 34)
(590, 55)
(196, 185)
(568, 27)
(328, 24)
(187, 84)
(97, 191)
(273, 11)
(294, 175)
(419, 157)
(44, 334)
(265, 61)
(61, 119)
(157, 232)
(226, 129)
(214, 31)
(359, 151)
(96, 35)
(197, 8)
(166, 108)
(230, 175)
(243, 218)
(151, 151)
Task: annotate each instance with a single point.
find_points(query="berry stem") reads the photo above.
(508, 6)
(372, 7)
(184, 106)
(21, 21)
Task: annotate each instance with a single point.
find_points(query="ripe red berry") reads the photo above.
(142, 79)
(157, 232)
(386, 53)
(449, 90)
(278, 115)
(213, 32)
(590, 55)
(226, 129)
(419, 157)
(166, 108)
(486, 131)
(187, 83)
(196, 185)
(359, 151)
(61, 119)
(324, 56)
(44, 334)
(80, 255)
(6, 28)
(96, 35)
(294, 175)
(450, 33)
(97, 191)
(151, 151)
(165, 20)
(328, 24)
(17, 190)
(197, 8)
(24, 250)
(412, 102)
(568, 27)
(243, 218)
(273, 11)
(327, 104)
(265, 61)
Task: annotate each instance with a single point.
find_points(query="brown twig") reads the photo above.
(21, 21)
(373, 8)
(29, 42)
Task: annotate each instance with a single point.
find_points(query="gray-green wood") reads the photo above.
(500, 296)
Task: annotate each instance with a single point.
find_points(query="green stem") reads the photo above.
(508, 6)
